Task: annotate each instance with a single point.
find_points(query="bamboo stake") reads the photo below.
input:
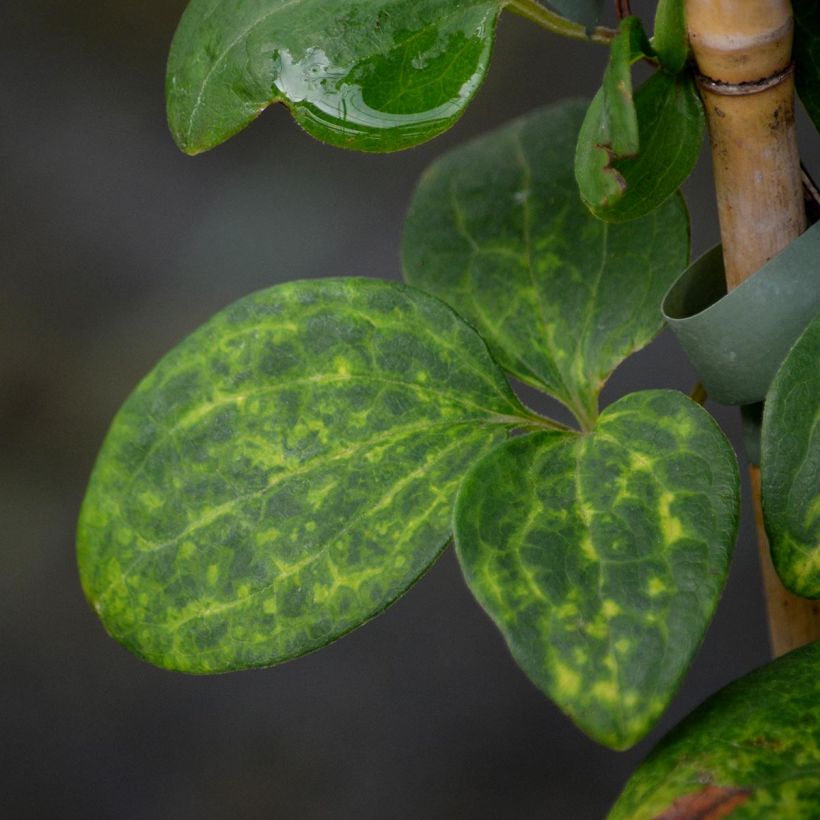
(743, 52)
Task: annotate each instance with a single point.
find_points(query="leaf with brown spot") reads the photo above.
(752, 750)
(710, 803)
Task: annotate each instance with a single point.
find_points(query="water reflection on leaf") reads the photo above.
(376, 76)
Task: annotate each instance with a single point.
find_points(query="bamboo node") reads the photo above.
(744, 89)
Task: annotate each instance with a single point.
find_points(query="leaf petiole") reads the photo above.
(534, 422)
(554, 22)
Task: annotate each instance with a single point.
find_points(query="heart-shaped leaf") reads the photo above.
(379, 75)
(754, 747)
(601, 557)
(286, 472)
(790, 466)
(807, 55)
(497, 230)
(618, 186)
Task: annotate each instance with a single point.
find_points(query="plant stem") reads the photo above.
(554, 22)
(623, 9)
(743, 51)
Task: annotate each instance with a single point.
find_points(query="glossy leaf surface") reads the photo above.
(751, 751)
(379, 75)
(497, 230)
(286, 472)
(807, 55)
(790, 466)
(619, 186)
(601, 557)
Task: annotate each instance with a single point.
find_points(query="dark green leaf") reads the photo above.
(379, 75)
(754, 747)
(286, 473)
(790, 466)
(807, 55)
(670, 40)
(601, 557)
(497, 230)
(619, 187)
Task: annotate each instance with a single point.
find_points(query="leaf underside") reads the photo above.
(380, 75)
(790, 466)
(286, 472)
(752, 751)
(497, 230)
(601, 557)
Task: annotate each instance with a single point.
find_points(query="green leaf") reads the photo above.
(619, 120)
(790, 466)
(611, 129)
(286, 473)
(380, 75)
(497, 230)
(670, 40)
(754, 747)
(807, 55)
(601, 557)
(618, 186)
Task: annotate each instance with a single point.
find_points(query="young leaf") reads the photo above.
(286, 473)
(601, 557)
(790, 466)
(497, 230)
(618, 186)
(376, 76)
(807, 55)
(619, 121)
(615, 124)
(754, 747)
(670, 40)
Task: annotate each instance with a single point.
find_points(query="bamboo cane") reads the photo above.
(743, 53)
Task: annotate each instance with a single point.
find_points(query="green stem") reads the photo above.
(554, 22)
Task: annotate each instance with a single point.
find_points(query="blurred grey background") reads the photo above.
(113, 246)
